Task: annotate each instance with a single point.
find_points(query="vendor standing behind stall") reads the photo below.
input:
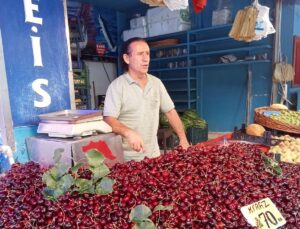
(133, 102)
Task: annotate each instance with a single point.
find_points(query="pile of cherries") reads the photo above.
(206, 186)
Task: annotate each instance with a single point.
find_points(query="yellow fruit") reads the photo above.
(255, 130)
(279, 106)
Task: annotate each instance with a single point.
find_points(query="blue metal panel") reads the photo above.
(287, 26)
(21, 133)
(297, 20)
(224, 97)
(49, 64)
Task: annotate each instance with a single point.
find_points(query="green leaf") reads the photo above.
(54, 173)
(145, 225)
(105, 186)
(100, 171)
(139, 213)
(94, 158)
(65, 182)
(49, 180)
(84, 185)
(49, 193)
(271, 165)
(58, 192)
(75, 168)
(57, 155)
(163, 208)
(52, 194)
(62, 168)
(59, 170)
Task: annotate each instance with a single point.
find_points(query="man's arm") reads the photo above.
(177, 126)
(135, 141)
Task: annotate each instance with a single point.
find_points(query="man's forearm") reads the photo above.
(177, 125)
(117, 126)
(134, 140)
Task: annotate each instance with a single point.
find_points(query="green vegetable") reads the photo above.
(190, 118)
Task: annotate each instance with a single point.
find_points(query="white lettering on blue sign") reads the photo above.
(46, 99)
(29, 9)
(36, 49)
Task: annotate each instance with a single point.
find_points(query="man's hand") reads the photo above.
(184, 144)
(177, 126)
(135, 141)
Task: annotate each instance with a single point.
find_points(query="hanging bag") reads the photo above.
(263, 25)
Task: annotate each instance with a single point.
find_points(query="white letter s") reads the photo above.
(36, 86)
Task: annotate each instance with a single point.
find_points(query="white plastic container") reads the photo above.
(167, 26)
(159, 14)
(221, 17)
(137, 32)
(138, 22)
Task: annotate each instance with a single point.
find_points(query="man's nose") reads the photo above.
(146, 57)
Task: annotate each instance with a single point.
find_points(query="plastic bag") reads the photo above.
(176, 4)
(199, 5)
(171, 4)
(153, 2)
(263, 25)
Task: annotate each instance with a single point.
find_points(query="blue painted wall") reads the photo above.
(37, 71)
(290, 27)
(223, 89)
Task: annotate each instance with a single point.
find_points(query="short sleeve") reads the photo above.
(166, 103)
(112, 103)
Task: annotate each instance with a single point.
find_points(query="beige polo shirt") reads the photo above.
(139, 110)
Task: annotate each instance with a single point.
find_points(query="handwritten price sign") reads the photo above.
(263, 214)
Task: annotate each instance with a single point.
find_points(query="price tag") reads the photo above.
(263, 214)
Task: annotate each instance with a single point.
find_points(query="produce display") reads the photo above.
(255, 130)
(199, 187)
(288, 148)
(287, 116)
(279, 106)
(190, 118)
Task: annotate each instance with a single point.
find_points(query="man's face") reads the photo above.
(138, 57)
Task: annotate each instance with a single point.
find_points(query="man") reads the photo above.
(133, 102)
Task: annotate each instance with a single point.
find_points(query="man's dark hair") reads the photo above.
(125, 50)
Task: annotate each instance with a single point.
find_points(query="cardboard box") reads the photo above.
(159, 14)
(167, 26)
(41, 148)
(137, 32)
(138, 22)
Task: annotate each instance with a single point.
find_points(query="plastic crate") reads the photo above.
(197, 135)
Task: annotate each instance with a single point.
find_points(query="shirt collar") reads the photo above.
(131, 81)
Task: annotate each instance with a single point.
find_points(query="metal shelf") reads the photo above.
(184, 101)
(181, 90)
(169, 58)
(178, 79)
(231, 64)
(167, 69)
(169, 46)
(210, 40)
(233, 50)
(187, 79)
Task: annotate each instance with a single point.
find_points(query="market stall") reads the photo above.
(76, 176)
(219, 183)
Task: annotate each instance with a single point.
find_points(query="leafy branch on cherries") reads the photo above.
(271, 165)
(140, 216)
(60, 178)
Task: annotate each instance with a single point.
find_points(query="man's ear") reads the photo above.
(126, 58)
